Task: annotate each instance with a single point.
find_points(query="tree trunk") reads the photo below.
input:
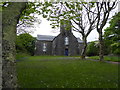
(0, 51)
(10, 17)
(84, 48)
(101, 47)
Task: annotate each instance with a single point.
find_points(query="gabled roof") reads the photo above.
(50, 38)
(45, 37)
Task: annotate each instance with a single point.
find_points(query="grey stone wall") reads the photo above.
(39, 48)
(73, 47)
(59, 45)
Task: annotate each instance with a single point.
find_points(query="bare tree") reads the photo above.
(103, 12)
(81, 16)
(85, 23)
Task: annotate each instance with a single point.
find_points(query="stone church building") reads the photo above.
(63, 44)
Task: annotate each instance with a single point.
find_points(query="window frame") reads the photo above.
(66, 41)
(44, 49)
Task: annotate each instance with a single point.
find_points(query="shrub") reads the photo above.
(92, 49)
(25, 43)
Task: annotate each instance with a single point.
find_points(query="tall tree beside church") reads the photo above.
(10, 18)
(103, 12)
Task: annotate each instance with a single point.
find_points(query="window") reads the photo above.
(44, 47)
(66, 41)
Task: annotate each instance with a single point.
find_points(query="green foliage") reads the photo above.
(54, 72)
(30, 8)
(112, 35)
(25, 43)
(27, 17)
(92, 49)
(55, 12)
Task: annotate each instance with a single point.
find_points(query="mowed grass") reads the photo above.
(54, 72)
(107, 58)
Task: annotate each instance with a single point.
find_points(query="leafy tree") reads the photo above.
(25, 43)
(112, 35)
(27, 18)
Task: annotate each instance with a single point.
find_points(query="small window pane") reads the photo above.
(44, 47)
(66, 41)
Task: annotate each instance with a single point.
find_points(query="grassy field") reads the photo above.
(55, 72)
(107, 58)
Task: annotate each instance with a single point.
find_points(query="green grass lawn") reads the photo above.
(53, 72)
(107, 58)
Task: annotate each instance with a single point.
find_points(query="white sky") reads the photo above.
(45, 29)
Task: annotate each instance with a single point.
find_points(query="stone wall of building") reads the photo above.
(73, 46)
(39, 48)
(59, 45)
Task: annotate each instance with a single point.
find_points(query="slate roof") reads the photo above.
(45, 37)
(50, 38)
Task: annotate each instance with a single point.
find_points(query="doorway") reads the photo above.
(66, 52)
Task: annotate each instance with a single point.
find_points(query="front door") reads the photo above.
(66, 52)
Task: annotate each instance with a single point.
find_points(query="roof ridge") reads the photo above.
(45, 35)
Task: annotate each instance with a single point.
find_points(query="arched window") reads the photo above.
(44, 47)
(66, 40)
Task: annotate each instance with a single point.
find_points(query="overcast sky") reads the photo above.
(45, 29)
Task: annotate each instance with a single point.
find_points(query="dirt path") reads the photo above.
(104, 61)
(88, 59)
